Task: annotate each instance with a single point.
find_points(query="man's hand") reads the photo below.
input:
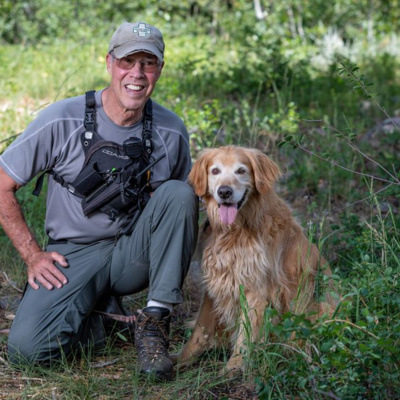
(41, 269)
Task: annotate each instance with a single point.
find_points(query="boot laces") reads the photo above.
(152, 338)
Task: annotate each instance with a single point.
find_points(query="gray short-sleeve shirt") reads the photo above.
(52, 141)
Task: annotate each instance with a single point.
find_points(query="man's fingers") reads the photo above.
(44, 281)
(48, 279)
(45, 273)
(59, 258)
(51, 278)
(57, 277)
(32, 283)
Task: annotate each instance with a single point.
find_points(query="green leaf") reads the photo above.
(287, 323)
(122, 337)
(305, 332)
(326, 346)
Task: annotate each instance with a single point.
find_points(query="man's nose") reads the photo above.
(137, 68)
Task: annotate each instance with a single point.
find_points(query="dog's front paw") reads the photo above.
(230, 372)
(180, 359)
(233, 367)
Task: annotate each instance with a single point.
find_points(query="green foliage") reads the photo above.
(205, 125)
(356, 353)
(42, 20)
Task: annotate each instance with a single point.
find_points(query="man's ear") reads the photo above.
(160, 70)
(109, 60)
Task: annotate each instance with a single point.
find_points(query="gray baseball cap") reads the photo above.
(134, 37)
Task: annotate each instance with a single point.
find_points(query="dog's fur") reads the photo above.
(254, 243)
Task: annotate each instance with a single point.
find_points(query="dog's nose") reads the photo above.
(225, 192)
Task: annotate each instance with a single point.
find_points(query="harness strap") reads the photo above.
(57, 178)
(39, 184)
(89, 121)
(148, 126)
(90, 111)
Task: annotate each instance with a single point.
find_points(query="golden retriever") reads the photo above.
(254, 243)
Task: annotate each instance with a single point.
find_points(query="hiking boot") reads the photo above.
(152, 341)
(115, 318)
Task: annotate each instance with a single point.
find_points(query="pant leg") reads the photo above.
(157, 254)
(49, 323)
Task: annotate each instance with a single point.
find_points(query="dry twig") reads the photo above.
(11, 284)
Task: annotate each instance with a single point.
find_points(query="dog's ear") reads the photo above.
(266, 172)
(198, 176)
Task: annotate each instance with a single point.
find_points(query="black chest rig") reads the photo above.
(114, 178)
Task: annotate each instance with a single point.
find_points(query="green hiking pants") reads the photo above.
(50, 323)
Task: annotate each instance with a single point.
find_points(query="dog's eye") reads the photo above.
(215, 171)
(241, 171)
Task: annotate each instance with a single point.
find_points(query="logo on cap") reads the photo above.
(142, 30)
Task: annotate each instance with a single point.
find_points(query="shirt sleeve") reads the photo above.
(39, 147)
(31, 152)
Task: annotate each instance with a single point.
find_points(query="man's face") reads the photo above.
(133, 79)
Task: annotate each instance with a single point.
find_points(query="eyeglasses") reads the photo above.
(128, 62)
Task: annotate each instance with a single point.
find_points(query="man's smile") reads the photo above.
(134, 87)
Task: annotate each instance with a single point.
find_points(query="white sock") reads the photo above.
(155, 303)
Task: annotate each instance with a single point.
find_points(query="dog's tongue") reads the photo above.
(227, 213)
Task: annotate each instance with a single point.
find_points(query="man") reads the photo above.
(106, 250)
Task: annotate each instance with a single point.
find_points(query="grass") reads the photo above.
(355, 222)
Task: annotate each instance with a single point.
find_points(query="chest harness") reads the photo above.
(115, 178)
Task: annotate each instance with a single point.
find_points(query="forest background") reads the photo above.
(314, 84)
